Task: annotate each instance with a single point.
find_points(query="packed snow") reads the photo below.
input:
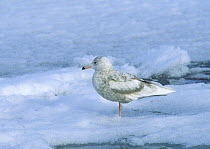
(61, 107)
(47, 100)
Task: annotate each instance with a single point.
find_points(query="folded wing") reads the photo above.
(135, 88)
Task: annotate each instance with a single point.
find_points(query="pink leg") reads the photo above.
(120, 109)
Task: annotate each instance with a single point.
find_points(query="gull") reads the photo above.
(121, 87)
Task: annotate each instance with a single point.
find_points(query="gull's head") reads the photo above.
(99, 64)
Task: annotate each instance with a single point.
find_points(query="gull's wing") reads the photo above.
(124, 83)
(133, 87)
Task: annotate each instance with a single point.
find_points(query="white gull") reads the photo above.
(120, 86)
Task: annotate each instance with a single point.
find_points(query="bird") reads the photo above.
(119, 86)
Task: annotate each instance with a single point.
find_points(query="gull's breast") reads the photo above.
(101, 84)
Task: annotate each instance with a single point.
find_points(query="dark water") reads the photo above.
(202, 76)
(146, 146)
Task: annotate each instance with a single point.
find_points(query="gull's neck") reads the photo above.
(104, 70)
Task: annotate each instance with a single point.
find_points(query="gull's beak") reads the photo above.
(86, 67)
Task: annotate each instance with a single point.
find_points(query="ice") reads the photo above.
(47, 100)
(63, 108)
(43, 35)
(168, 60)
(51, 83)
(85, 60)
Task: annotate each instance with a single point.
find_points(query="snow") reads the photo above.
(165, 60)
(46, 84)
(169, 60)
(61, 107)
(47, 100)
(43, 35)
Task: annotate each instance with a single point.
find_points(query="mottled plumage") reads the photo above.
(119, 86)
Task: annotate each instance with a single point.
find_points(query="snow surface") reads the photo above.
(42, 35)
(47, 100)
(61, 107)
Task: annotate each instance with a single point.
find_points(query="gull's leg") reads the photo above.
(120, 109)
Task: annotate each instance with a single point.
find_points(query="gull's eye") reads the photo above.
(95, 63)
